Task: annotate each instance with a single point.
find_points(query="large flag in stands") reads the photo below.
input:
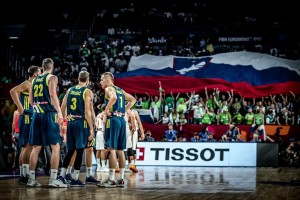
(251, 74)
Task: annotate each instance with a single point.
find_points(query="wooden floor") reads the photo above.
(172, 183)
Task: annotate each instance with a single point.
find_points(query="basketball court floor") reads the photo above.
(161, 182)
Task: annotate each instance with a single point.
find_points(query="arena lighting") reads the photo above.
(13, 38)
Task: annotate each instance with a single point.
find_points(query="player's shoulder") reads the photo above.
(89, 91)
(26, 84)
(51, 76)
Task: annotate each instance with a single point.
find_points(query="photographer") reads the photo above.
(292, 152)
(148, 137)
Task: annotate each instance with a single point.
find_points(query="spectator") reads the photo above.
(61, 96)
(148, 137)
(164, 120)
(259, 130)
(255, 138)
(238, 118)
(171, 134)
(239, 139)
(232, 132)
(206, 119)
(282, 117)
(290, 118)
(182, 120)
(270, 117)
(204, 133)
(224, 117)
(211, 137)
(224, 138)
(249, 117)
(196, 138)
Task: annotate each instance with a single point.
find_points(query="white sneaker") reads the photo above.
(33, 183)
(57, 183)
(107, 183)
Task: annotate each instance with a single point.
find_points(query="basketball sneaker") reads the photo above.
(107, 183)
(23, 180)
(68, 178)
(91, 180)
(120, 183)
(77, 183)
(60, 182)
(133, 168)
(33, 183)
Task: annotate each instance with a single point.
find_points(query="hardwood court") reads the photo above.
(159, 182)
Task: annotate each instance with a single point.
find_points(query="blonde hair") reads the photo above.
(108, 74)
(47, 64)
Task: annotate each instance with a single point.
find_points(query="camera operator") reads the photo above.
(148, 137)
(292, 152)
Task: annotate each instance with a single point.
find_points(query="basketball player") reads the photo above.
(45, 125)
(135, 138)
(20, 96)
(101, 156)
(115, 127)
(80, 130)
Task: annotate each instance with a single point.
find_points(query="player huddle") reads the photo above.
(41, 123)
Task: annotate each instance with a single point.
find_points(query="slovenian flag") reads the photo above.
(249, 73)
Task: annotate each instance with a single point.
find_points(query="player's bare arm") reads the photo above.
(94, 121)
(130, 99)
(64, 104)
(110, 94)
(88, 111)
(54, 99)
(141, 128)
(15, 91)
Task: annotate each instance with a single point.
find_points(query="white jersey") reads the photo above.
(126, 120)
(100, 144)
(128, 133)
(136, 122)
(99, 122)
(135, 134)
